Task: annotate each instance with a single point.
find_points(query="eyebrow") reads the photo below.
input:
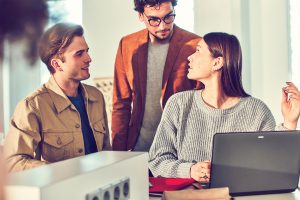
(162, 17)
(81, 51)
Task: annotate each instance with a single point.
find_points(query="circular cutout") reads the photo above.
(95, 198)
(126, 189)
(117, 193)
(106, 195)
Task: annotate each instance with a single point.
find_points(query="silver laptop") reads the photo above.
(256, 162)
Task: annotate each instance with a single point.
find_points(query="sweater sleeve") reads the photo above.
(163, 159)
(266, 118)
(268, 122)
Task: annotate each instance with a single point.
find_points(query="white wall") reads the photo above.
(269, 51)
(262, 27)
(105, 22)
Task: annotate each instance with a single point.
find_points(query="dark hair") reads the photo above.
(228, 47)
(21, 19)
(55, 40)
(140, 4)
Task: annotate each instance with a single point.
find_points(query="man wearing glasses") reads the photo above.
(150, 66)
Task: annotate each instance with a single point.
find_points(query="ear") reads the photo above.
(141, 17)
(218, 63)
(55, 63)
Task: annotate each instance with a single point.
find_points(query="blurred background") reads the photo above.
(269, 32)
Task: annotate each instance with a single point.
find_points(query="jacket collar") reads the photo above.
(60, 99)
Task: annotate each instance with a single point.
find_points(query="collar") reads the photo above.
(60, 99)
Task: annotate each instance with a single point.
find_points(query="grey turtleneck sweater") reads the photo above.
(185, 133)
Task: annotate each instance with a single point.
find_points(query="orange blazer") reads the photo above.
(130, 79)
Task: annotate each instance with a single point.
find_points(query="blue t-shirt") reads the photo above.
(88, 136)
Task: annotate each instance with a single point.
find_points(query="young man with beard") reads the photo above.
(150, 66)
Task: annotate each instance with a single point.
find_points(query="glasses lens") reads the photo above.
(169, 18)
(154, 21)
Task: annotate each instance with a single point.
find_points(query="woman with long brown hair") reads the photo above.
(183, 141)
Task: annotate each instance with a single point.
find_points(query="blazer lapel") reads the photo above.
(141, 60)
(141, 67)
(171, 57)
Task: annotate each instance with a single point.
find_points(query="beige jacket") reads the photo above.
(46, 127)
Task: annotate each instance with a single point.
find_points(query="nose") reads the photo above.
(162, 25)
(88, 58)
(189, 58)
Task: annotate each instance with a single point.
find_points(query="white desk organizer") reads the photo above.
(105, 175)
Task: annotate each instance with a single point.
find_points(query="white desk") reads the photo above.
(73, 179)
(285, 196)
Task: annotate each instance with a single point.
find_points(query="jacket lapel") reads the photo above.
(142, 55)
(171, 57)
(141, 67)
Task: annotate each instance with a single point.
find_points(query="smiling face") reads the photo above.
(75, 63)
(200, 62)
(163, 31)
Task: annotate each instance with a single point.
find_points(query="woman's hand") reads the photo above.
(290, 105)
(201, 171)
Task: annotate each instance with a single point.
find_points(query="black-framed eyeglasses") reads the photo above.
(155, 21)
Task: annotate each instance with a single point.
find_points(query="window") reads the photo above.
(62, 11)
(295, 41)
(17, 77)
(65, 10)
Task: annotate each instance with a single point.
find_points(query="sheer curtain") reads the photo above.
(295, 41)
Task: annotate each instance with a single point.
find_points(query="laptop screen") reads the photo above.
(256, 162)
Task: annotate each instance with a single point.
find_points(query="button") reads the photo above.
(77, 126)
(80, 150)
(58, 141)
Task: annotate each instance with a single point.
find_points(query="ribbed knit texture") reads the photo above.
(157, 55)
(185, 133)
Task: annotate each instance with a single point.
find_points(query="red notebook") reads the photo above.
(168, 184)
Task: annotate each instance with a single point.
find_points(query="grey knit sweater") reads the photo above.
(184, 135)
